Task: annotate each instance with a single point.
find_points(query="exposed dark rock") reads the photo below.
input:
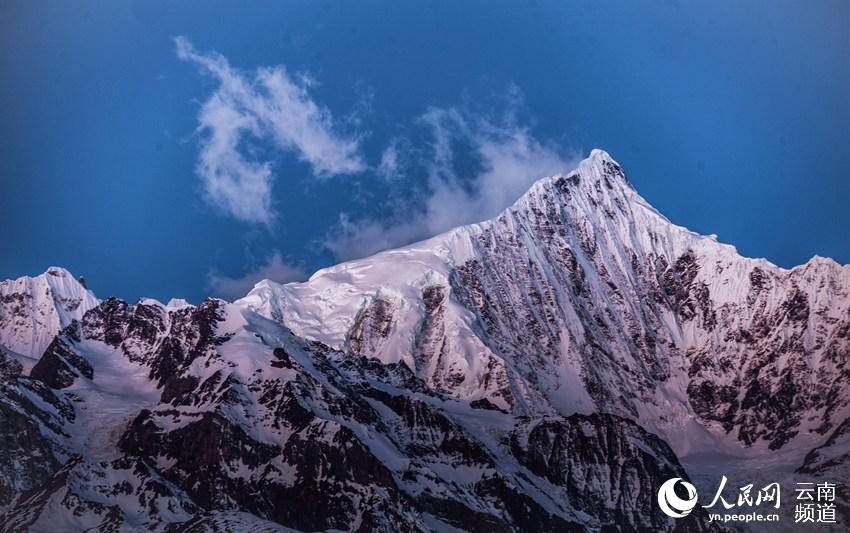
(9, 368)
(60, 365)
(603, 461)
(282, 359)
(371, 327)
(26, 455)
(484, 403)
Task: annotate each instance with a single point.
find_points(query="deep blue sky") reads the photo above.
(729, 117)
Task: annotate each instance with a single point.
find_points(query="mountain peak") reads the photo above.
(606, 165)
(593, 173)
(177, 303)
(600, 154)
(58, 272)
(36, 308)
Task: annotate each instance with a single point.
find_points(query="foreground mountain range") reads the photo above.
(546, 370)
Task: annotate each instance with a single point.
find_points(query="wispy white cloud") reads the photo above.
(275, 269)
(270, 107)
(388, 168)
(266, 105)
(509, 160)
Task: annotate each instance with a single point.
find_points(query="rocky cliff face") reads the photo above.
(543, 371)
(167, 418)
(32, 422)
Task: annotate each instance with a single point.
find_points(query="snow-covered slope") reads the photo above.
(34, 309)
(581, 297)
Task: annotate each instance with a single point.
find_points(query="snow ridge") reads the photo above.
(34, 309)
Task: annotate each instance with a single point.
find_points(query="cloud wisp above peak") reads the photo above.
(274, 269)
(463, 167)
(507, 160)
(271, 107)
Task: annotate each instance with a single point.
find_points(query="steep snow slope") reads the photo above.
(34, 309)
(581, 297)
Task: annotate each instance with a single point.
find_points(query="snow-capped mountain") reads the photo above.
(34, 309)
(545, 370)
(581, 298)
